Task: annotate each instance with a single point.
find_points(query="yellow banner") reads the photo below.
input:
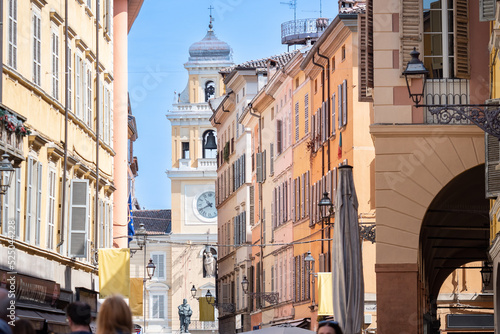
(114, 272)
(325, 294)
(136, 297)
(206, 310)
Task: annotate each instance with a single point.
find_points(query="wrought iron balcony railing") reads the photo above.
(446, 92)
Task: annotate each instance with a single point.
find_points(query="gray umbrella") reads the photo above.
(347, 265)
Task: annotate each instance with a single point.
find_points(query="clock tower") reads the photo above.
(194, 169)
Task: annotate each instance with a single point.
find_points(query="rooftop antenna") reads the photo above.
(315, 11)
(292, 5)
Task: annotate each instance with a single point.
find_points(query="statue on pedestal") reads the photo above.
(185, 313)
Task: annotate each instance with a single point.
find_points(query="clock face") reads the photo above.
(205, 205)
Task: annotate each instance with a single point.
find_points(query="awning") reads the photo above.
(36, 319)
(301, 323)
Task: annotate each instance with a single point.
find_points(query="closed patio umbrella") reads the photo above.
(347, 265)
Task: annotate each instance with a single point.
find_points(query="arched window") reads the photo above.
(209, 145)
(209, 90)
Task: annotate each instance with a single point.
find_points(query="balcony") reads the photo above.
(299, 31)
(197, 325)
(207, 164)
(442, 92)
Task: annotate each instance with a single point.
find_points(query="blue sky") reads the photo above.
(158, 47)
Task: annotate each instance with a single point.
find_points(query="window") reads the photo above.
(89, 4)
(209, 145)
(55, 62)
(209, 90)
(106, 115)
(37, 45)
(243, 92)
(33, 201)
(334, 129)
(12, 34)
(315, 86)
(70, 86)
(185, 150)
(333, 64)
(78, 85)
(88, 118)
(343, 52)
(297, 83)
(12, 205)
(108, 16)
(158, 306)
(159, 261)
(51, 207)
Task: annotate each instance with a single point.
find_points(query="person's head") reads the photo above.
(184, 301)
(78, 316)
(114, 315)
(329, 327)
(22, 326)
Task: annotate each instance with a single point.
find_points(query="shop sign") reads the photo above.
(30, 289)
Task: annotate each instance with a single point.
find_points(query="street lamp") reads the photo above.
(310, 259)
(141, 237)
(270, 297)
(485, 116)
(6, 172)
(486, 272)
(326, 207)
(226, 307)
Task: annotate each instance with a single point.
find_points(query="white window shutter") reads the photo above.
(29, 200)
(38, 203)
(340, 106)
(78, 220)
(18, 202)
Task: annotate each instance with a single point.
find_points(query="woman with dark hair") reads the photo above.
(329, 327)
(114, 317)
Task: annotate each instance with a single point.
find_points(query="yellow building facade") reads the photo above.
(57, 128)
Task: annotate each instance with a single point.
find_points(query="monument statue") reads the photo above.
(209, 264)
(185, 313)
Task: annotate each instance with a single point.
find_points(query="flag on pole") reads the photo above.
(340, 145)
(131, 230)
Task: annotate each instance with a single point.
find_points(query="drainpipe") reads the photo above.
(97, 128)
(260, 206)
(327, 83)
(322, 150)
(66, 103)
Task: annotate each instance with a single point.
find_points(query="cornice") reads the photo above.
(410, 130)
(55, 17)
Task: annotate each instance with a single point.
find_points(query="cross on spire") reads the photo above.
(210, 26)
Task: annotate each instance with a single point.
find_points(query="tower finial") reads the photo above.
(210, 26)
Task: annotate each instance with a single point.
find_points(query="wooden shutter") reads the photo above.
(492, 161)
(259, 168)
(279, 135)
(292, 200)
(307, 194)
(321, 263)
(244, 227)
(306, 114)
(313, 132)
(79, 208)
(344, 103)
(411, 29)
(339, 105)
(264, 166)
(297, 135)
(302, 197)
(365, 42)
(462, 65)
(252, 205)
(487, 10)
(29, 199)
(271, 159)
(334, 107)
(18, 202)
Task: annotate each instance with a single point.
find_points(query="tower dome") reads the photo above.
(210, 48)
